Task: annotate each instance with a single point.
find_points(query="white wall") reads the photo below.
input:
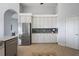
(36, 8)
(4, 7)
(67, 12)
(68, 9)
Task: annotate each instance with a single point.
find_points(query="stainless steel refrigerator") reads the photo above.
(26, 34)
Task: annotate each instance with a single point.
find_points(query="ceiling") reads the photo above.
(38, 4)
(38, 8)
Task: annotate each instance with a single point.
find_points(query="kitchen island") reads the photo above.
(8, 46)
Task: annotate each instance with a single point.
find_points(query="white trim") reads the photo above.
(44, 15)
(28, 14)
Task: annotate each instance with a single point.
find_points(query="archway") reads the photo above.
(10, 23)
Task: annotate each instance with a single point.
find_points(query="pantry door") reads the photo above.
(72, 32)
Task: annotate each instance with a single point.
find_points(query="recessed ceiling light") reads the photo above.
(41, 3)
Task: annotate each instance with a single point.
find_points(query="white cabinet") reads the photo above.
(61, 38)
(68, 32)
(44, 38)
(72, 32)
(44, 21)
(25, 18)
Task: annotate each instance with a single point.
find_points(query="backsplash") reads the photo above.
(44, 30)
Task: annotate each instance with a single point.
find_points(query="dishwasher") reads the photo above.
(1, 48)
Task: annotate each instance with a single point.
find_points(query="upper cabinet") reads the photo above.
(25, 18)
(44, 21)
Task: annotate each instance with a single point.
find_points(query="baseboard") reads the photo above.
(43, 43)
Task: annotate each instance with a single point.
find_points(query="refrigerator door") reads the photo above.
(26, 34)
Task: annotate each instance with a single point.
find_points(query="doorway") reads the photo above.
(10, 23)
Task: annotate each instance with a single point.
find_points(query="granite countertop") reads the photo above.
(7, 38)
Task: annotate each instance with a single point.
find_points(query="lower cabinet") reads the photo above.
(10, 47)
(1, 48)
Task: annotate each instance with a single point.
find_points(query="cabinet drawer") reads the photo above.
(14, 40)
(11, 43)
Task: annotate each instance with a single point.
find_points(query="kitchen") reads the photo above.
(26, 25)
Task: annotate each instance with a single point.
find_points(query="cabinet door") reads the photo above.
(11, 47)
(61, 31)
(72, 32)
(76, 32)
(69, 32)
(25, 18)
